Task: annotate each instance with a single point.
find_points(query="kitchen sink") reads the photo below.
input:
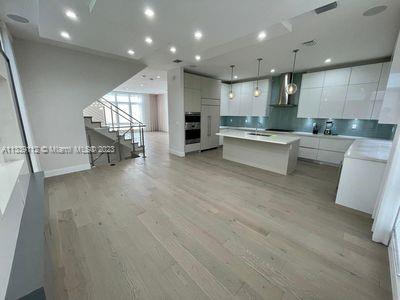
(259, 133)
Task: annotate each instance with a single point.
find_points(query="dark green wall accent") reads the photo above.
(286, 118)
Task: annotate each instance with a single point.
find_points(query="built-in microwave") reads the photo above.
(192, 128)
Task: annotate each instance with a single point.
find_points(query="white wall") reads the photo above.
(176, 112)
(58, 84)
(162, 107)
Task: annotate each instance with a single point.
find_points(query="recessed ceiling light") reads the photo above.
(197, 57)
(374, 10)
(262, 35)
(71, 15)
(198, 35)
(172, 49)
(148, 40)
(235, 77)
(158, 76)
(149, 12)
(131, 52)
(328, 60)
(65, 35)
(141, 84)
(18, 18)
(272, 70)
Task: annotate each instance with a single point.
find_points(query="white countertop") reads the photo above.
(282, 139)
(370, 149)
(301, 133)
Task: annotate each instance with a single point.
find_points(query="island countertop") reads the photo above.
(281, 139)
(369, 149)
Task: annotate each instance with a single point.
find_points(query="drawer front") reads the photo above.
(309, 142)
(308, 153)
(335, 144)
(330, 157)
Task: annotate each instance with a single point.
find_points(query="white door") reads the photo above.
(233, 104)
(260, 104)
(309, 102)
(365, 74)
(225, 100)
(246, 99)
(332, 102)
(312, 80)
(383, 81)
(337, 77)
(360, 101)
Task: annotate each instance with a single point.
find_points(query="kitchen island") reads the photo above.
(272, 152)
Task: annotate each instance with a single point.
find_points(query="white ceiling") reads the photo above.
(146, 82)
(229, 29)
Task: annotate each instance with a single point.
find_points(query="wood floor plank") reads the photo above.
(201, 227)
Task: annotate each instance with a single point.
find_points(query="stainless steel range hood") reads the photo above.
(284, 99)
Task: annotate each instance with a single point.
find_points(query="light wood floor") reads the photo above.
(204, 228)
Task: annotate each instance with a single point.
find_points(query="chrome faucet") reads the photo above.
(258, 125)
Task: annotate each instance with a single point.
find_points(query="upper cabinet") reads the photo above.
(192, 81)
(210, 88)
(365, 74)
(244, 103)
(346, 93)
(337, 77)
(313, 80)
(390, 112)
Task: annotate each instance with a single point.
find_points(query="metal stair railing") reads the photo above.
(123, 131)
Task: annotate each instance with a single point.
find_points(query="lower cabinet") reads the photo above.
(327, 150)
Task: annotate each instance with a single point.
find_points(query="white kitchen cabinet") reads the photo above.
(337, 77)
(309, 102)
(380, 94)
(332, 102)
(312, 80)
(390, 112)
(365, 74)
(192, 81)
(335, 144)
(246, 99)
(234, 104)
(192, 100)
(360, 101)
(260, 103)
(308, 153)
(210, 88)
(210, 120)
(309, 142)
(225, 88)
(331, 157)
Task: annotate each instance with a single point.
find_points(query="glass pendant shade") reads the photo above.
(231, 95)
(291, 88)
(257, 92)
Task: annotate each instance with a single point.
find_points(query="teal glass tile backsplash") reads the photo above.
(286, 118)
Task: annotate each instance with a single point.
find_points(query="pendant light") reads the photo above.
(291, 88)
(257, 91)
(231, 94)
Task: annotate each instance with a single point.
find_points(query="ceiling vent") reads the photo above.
(177, 61)
(18, 18)
(326, 8)
(310, 43)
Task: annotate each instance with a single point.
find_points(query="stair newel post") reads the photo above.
(132, 130)
(104, 113)
(143, 147)
(119, 146)
(90, 152)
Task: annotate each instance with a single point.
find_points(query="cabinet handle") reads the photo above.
(209, 126)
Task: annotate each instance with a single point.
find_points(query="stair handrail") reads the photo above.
(119, 111)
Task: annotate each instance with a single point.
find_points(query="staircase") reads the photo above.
(127, 139)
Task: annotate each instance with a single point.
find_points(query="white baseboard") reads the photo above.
(392, 265)
(176, 152)
(62, 171)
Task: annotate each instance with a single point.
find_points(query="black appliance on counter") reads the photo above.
(315, 128)
(192, 128)
(328, 128)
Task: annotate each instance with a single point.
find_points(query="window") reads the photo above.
(130, 103)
